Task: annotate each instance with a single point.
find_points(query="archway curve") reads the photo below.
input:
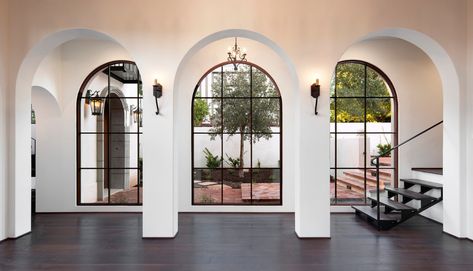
(20, 219)
(453, 137)
(243, 33)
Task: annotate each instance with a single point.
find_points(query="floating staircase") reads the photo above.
(399, 204)
(390, 206)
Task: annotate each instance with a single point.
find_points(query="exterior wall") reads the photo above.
(3, 120)
(306, 44)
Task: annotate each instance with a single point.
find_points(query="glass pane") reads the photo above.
(236, 186)
(376, 86)
(236, 115)
(332, 150)
(207, 151)
(211, 85)
(118, 115)
(140, 184)
(207, 116)
(266, 151)
(386, 178)
(350, 110)
(332, 115)
(350, 186)
(262, 85)
(266, 116)
(236, 149)
(266, 186)
(350, 80)
(207, 186)
(350, 151)
(123, 185)
(378, 144)
(93, 186)
(236, 83)
(122, 151)
(378, 111)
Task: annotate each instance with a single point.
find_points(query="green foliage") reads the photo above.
(233, 162)
(213, 161)
(350, 82)
(201, 110)
(383, 149)
(240, 116)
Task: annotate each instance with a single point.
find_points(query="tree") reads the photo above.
(238, 115)
(201, 110)
(350, 79)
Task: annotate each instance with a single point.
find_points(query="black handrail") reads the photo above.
(376, 158)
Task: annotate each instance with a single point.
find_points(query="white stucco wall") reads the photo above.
(3, 120)
(469, 121)
(307, 44)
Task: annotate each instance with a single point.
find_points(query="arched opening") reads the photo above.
(363, 124)
(108, 141)
(236, 137)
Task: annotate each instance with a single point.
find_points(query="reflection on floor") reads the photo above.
(230, 242)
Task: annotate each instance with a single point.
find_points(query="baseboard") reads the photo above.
(312, 238)
(160, 238)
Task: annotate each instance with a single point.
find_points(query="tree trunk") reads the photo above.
(241, 173)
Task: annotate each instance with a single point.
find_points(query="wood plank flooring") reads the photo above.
(227, 242)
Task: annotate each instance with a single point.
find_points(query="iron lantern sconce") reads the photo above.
(315, 93)
(157, 93)
(95, 101)
(138, 116)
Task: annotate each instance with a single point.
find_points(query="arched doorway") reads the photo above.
(236, 137)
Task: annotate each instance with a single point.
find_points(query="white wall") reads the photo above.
(309, 45)
(3, 119)
(469, 121)
(56, 158)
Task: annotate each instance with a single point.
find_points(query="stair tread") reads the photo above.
(393, 204)
(372, 212)
(423, 183)
(409, 193)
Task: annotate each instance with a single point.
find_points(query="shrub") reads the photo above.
(213, 161)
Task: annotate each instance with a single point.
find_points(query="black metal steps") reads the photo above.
(408, 193)
(394, 205)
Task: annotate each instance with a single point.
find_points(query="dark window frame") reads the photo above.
(394, 120)
(79, 133)
(221, 98)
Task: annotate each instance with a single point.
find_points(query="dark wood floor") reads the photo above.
(227, 242)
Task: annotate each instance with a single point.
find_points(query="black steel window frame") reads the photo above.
(221, 98)
(102, 68)
(394, 120)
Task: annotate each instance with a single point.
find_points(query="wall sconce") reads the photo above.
(157, 93)
(315, 93)
(95, 101)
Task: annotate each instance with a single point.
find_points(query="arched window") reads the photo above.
(236, 137)
(109, 161)
(363, 124)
